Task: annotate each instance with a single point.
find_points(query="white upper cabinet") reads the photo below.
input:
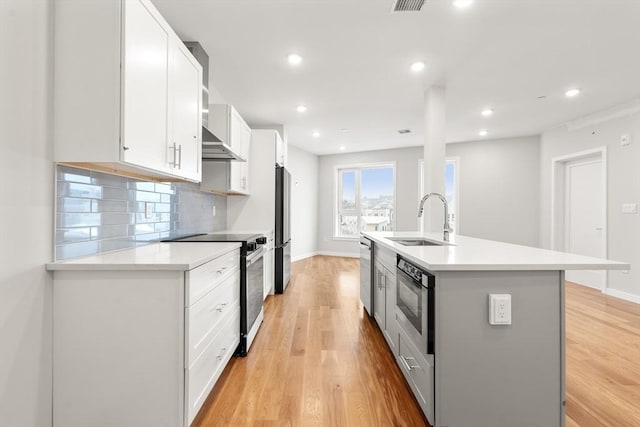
(281, 151)
(228, 177)
(185, 144)
(145, 97)
(127, 91)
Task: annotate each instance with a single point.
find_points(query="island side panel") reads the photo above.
(118, 348)
(499, 376)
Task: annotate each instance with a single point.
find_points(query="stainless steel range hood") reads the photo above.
(213, 148)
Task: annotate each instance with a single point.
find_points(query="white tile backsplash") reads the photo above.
(98, 212)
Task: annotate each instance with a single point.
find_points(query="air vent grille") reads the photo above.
(407, 5)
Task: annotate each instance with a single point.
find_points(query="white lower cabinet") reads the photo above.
(419, 373)
(384, 295)
(206, 369)
(142, 346)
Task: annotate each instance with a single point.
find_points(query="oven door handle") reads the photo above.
(255, 255)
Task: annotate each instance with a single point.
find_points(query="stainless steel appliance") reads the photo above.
(251, 281)
(366, 273)
(282, 230)
(415, 300)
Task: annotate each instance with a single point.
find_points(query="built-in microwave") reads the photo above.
(415, 300)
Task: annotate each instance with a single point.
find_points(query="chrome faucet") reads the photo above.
(447, 227)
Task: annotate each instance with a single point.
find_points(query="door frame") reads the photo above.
(558, 198)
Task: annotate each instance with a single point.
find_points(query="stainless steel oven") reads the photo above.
(255, 294)
(415, 300)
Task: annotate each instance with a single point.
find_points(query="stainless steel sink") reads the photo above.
(415, 241)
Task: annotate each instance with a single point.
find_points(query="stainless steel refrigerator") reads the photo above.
(283, 230)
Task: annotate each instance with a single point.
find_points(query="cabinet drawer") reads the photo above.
(203, 317)
(202, 279)
(206, 370)
(418, 372)
(386, 257)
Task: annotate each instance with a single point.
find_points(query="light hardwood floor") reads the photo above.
(317, 361)
(602, 359)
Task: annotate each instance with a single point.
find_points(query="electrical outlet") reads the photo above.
(499, 309)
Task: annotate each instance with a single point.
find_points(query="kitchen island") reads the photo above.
(476, 370)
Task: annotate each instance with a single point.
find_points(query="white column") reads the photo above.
(434, 156)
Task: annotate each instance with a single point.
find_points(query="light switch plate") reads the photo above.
(629, 208)
(499, 309)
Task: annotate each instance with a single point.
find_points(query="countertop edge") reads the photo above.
(498, 266)
(77, 264)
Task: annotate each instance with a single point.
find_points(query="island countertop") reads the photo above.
(464, 253)
(181, 256)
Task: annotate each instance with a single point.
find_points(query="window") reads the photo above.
(451, 190)
(365, 199)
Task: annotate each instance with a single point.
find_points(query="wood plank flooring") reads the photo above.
(317, 361)
(602, 359)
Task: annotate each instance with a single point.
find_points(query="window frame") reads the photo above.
(337, 194)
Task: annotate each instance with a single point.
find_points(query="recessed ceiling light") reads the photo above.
(487, 112)
(315, 134)
(572, 92)
(294, 59)
(301, 108)
(462, 4)
(342, 148)
(416, 67)
(483, 132)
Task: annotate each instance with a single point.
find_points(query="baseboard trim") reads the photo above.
(340, 254)
(622, 295)
(303, 256)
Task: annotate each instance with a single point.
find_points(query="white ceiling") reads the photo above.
(355, 74)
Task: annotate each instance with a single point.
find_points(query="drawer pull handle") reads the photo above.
(405, 362)
(219, 272)
(221, 307)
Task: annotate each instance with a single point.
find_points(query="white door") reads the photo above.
(584, 212)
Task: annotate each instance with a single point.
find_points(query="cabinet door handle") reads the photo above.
(405, 362)
(221, 307)
(180, 156)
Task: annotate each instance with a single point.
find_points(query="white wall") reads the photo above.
(303, 167)
(499, 189)
(26, 212)
(407, 198)
(623, 186)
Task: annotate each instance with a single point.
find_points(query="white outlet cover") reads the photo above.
(625, 139)
(629, 208)
(499, 309)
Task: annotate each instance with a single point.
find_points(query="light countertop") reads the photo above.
(470, 254)
(180, 256)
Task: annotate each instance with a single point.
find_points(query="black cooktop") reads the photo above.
(217, 237)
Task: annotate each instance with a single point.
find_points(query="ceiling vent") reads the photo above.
(404, 131)
(407, 5)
